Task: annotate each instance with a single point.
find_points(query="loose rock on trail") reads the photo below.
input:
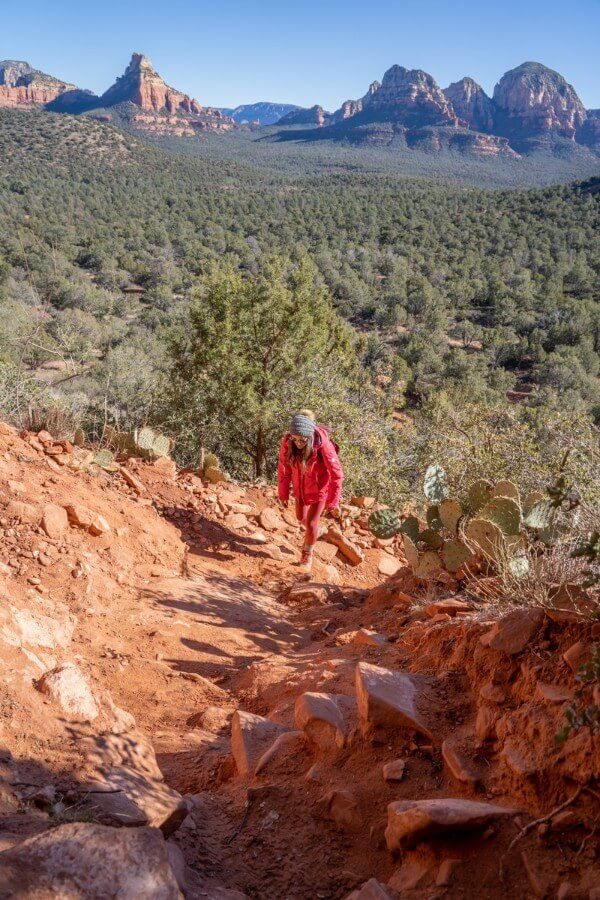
(181, 712)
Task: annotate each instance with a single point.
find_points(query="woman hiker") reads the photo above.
(308, 461)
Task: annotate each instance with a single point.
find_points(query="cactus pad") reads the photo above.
(450, 512)
(429, 565)
(433, 518)
(431, 538)
(540, 515)
(506, 489)
(435, 484)
(455, 555)
(485, 535)
(503, 512)
(410, 527)
(411, 552)
(384, 524)
(105, 459)
(161, 445)
(479, 494)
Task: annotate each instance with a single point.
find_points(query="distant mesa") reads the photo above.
(23, 87)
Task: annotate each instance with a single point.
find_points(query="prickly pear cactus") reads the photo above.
(411, 552)
(144, 438)
(479, 494)
(540, 515)
(503, 512)
(484, 536)
(450, 512)
(105, 460)
(455, 555)
(410, 526)
(435, 484)
(432, 539)
(429, 564)
(384, 524)
(433, 518)
(161, 445)
(506, 489)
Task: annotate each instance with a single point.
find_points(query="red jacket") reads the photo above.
(322, 477)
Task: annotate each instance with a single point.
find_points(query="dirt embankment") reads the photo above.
(164, 668)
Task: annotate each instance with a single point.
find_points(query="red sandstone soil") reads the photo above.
(177, 613)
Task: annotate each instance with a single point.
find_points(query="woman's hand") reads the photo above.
(335, 512)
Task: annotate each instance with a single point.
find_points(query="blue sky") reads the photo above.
(311, 52)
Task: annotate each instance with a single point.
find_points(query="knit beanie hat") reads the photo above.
(302, 426)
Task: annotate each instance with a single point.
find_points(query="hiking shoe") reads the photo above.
(306, 561)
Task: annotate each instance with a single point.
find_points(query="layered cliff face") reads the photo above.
(533, 100)
(409, 97)
(471, 104)
(23, 87)
(165, 109)
(589, 132)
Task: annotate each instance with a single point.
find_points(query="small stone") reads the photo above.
(518, 763)
(553, 693)
(409, 875)
(387, 699)
(342, 808)
(325, 551)
(411, 821)
(364, 637)
(69, 688)
(459, 767)
(513, 633)
(577, 655)
(131, 480)
(485, 723)
(449, 606)
(236, 521)
(446, 872)
(394, 770)
(54, 520)
(326, 719)
(349, 551)
(85, 518)
(491, 693)
(363, 502)
(388, 565)
(251, 737)
(270, 521)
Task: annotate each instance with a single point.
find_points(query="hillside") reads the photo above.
(162, 666)
(452, 286)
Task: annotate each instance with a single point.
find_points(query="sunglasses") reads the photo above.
(299, 441)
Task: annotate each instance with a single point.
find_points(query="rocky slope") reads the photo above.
(164, 109)
(532, 107)
(23, 87)
(164, 669)
(471, 104)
